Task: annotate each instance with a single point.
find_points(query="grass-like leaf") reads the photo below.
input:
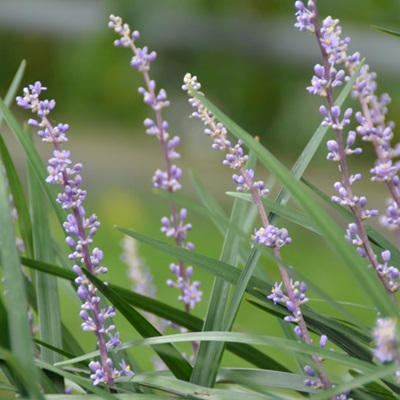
(24, 374)
(339, 333)
(193, 391)
(289, 213)
(16, 301)
(12, 90)
(262, 340)
(385, 30)
(210, 354)
(46, 285)
(165, 311)
(261, 378)
(130, 396)
(19, 199)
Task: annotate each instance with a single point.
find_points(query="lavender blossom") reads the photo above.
(80, 230)
(268, 235)
(338, 67)
(169, 179)
(386, 342)
(272, 236)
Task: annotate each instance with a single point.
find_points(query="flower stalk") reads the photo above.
(372, 127)
(175, 225)
(268, 235)
(80, 230)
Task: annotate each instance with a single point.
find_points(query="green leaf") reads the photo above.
(24, 374)
(208, 200)
(16, 300)
(209, 355)
(10, 96)
(257, 377)
(385, 30)
(383, 371)
(46, 285)
(167, 312)
(339, 333)
(193, 391)
(279, 343)
(19, 199)
(130, 396)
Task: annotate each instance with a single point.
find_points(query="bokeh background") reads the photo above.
(251, 62)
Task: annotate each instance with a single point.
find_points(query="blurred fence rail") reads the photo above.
(269, 38)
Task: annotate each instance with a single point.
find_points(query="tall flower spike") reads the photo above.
(268, 235)
(339, 66)
(169, 179)
(80, 230)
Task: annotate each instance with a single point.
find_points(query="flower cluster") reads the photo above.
(339, 66)
(305, 16)
(386, 343)
(268, 235)
(292, 304)
(235, 158)
(169, 180)
(271, 236)
(80, 230)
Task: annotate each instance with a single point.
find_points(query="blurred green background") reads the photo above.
(251, 62)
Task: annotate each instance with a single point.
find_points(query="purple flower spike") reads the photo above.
(79, 228)
(337, 67)
(168, 179)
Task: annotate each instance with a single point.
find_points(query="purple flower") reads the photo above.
(384, 170)
(168, 179)
(386, 343)
(271, 236)
(79, 228)
(391, 219)
(309, 371)
(191, 294)
(372, 127)
(277, 295)
(323, 340)
(305, 16)
(142, 59)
